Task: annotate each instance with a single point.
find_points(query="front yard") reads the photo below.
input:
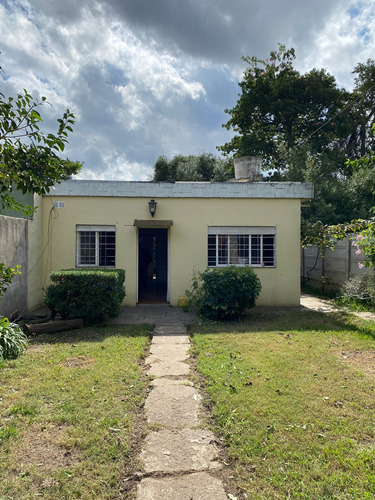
(71, 415)
(292, 398)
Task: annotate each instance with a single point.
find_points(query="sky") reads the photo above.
(146, 78)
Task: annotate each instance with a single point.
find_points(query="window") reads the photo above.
(241, 246)
(96, 246)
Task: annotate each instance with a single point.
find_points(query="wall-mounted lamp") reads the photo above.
(152, 207)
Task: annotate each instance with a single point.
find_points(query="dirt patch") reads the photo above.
(365, 360)
(78, 362)
(40, 448)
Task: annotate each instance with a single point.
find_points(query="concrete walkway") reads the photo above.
(154, 314)
(162, 314)
(179, 454)
(326, 306)
(316, 304)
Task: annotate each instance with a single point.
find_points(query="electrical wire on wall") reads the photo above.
(51, 222)
(304, 280)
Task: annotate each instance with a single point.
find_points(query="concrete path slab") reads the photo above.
(170, 330)
(174, 406)
(169, 350)
(178, 446)
(154, 359)
(182, 451)
(198, 486)
(169, 369)
(170, 339)
(163, 352)
(167, 382)
(154, 314)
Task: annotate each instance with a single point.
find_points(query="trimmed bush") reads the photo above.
(225, 294)
(120, 282)
(12, 339)
(92, 295)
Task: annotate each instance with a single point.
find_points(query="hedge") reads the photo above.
(92, 295)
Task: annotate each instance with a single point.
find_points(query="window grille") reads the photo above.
(244, 247)
(96, 246)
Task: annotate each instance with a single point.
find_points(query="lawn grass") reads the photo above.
(70, 414)
(292, 397)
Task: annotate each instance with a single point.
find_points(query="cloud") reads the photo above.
(135, 106)
(117, 167)
(219, 30)
(146, 78)
(113, 81)
(346, 39)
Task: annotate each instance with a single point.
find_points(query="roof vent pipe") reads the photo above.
(247, 168)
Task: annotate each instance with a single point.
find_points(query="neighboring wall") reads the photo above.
(13, 251)
(333, 267)
(21, 242)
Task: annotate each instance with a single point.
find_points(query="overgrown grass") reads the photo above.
(292, 396)
(69, 414)
(351, 303)
(354, 304)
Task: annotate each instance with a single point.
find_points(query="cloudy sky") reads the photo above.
(153, 77)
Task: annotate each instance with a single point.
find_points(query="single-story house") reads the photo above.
(162, 233)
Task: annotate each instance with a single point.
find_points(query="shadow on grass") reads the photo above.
(92, 334)
(290, 319)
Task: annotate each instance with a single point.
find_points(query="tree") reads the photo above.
(361, 185)
(362, 111)
(161, 170)
(29, 158)
(278, 107)
(203, 167)
(305, 129)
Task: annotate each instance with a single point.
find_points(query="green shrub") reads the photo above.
(223, 294)
(12, 339)
(360, 290)
(6, 275)
(92, 295)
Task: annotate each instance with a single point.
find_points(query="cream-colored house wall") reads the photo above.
(187, 237)
(34, 257)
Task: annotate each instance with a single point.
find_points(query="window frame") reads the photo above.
(98, 230)
(227, 233)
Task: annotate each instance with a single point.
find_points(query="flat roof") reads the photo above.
(135, 189)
